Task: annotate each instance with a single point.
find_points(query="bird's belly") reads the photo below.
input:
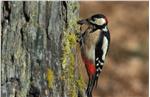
(89, 53)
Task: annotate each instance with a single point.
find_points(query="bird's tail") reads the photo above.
(96, 81)
(92, 82)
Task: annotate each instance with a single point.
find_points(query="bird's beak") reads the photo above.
(81, 22)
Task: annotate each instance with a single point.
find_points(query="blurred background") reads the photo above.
(125, 73)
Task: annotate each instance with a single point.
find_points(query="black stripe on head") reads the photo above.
(97, 16)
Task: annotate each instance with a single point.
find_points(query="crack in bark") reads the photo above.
(47, 19)
(34, 91)
(7, 10)
(26, 15)
(12, 79)
(64, 3)
(31, 44)
(22, 36)
(12, 58)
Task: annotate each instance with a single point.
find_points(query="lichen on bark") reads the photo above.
(33, 49)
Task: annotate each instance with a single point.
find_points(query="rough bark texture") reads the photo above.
(37, 49)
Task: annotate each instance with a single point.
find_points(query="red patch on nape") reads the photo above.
(106, 20)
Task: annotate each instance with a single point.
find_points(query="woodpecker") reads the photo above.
(94, 43)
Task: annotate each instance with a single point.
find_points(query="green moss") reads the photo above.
(50, 77)
(74, 83)
(68, 43)
(68, 61)
(68, 64)
(80, 83)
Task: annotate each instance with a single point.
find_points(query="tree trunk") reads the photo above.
(38, 49)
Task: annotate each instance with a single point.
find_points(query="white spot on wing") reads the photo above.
(99, 69)
(102, 64)
(104, 47)
(97, 75)
(97, 59)
(97, 64)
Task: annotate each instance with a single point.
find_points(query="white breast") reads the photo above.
(90, 53)
(88, 47)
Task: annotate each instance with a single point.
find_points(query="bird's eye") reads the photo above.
(94, 27)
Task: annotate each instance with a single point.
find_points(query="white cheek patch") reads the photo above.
(100, 21)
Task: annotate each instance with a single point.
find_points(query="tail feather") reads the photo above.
(96, 81)
(91, 84)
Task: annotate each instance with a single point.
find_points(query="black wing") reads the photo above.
(99, 62)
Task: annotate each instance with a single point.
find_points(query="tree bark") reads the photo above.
(38, 49)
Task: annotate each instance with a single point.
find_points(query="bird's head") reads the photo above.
(98, 21)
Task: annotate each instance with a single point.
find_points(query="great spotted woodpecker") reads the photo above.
(94, 43)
